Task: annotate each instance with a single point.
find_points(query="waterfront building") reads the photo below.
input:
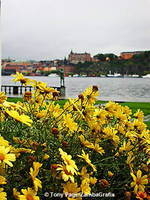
(75, 58)
(13, 67)
(129, 55)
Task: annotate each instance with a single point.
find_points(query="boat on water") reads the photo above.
(135, 76)
(53, 75)
(146, 76)
(115, 75)
(76, 75)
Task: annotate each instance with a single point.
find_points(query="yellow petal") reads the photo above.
(139, 174)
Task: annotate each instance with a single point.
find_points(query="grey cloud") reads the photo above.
(48, 29)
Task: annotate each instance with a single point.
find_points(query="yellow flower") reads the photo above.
(72, 104)
(146, 137)
(28, 194)
(86, 180)
(2, 97)
(65, 174)
(21, 118)
(16, 193)
(139, 181)
(90, 95)
(46, 156)
(139, 125)
(93, 180)
(34, 172)
(2, 169)
(3, 195)
(132, 135)
(54, 110)
(44, 89)
(112, 107)
(38, 99)
(98, 149)
(2, 180)
(88, 111)
(85, 187)
(2, 116)
(101, 115)
(41, 114)
(22, 150)
(110, 133)
(72, 188)
(126, 110)
(139, 115)
(3, 142)
(126, 146)
(130, 158)
(70, 164)
(90, 145)
(86, 158)
(110, 174)
(84, 173)
(95, 126)
(17, 151)
(5, 156)
(69, 123)
(12, 105)
(20, 77)
(86, 142)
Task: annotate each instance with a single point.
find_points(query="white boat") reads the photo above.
(53, 75)
(146, 76)
(135, 76)
(75, 75)
(115, 75)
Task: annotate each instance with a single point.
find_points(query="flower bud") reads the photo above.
(141, 195)
(103, 183)
(55, 131)
(94, 88)
(31, 158)
(54, 166)
(127, 195)
(80, 96)
(65, 143)
(55, 94)
(27, 96)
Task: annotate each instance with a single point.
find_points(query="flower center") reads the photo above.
(2, 156)
(138, 181)
(23, 81)
(67, 173)
(29, 197)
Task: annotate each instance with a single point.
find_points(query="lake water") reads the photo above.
(115, 89)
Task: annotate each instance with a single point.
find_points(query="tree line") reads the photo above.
(139, 64)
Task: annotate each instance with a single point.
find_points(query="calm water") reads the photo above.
(116, 89)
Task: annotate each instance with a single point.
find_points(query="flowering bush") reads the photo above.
(76, 149)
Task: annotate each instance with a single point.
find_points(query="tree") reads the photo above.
(100, 57)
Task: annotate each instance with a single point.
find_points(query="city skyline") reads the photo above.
(36, 29)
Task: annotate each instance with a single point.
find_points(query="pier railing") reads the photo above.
(13, 90)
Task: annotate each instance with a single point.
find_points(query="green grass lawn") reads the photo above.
(14, 99)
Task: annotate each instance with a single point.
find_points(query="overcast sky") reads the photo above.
(49, 29)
